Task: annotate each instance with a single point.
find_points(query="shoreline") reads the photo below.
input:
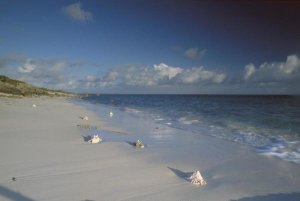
(44, 149)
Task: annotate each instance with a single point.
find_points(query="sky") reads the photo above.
(153, 46)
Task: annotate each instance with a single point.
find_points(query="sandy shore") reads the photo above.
(44, 150)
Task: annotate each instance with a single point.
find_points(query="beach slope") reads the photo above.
(44, 156)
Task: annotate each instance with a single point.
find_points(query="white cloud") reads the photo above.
(139, 76)
(269, 77)
(249, 70)
(50, 73)
(28, 67)
(90, 81)
(112, 76)
(197, 75)
(194, 53)
(165, 70)
(274, 71)
(159, 75)
(292, 65)
(91, 78)
(218, 78)
(75, 12)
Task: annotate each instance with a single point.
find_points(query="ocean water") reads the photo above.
(270, 124)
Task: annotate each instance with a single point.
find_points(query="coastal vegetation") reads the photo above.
(16, 88)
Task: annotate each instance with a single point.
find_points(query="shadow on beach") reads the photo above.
(134, 144)
(86, 138)
(12, 195)
(181, 174)
(273, 197)
(130, 143)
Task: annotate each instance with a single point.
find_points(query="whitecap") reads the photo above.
(186, 121)
(131, 110)
(285, 150)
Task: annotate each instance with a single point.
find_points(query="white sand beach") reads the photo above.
(44, 156)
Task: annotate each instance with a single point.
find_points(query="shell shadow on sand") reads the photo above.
(130, 143)
(84, 117)
(134, 144)
(86, 138)
(182, 175)
(13, 195)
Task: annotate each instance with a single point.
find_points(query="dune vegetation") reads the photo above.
(17, 88)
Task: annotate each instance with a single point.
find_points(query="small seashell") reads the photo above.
(139, 144)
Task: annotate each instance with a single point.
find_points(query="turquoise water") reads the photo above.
(271, 124)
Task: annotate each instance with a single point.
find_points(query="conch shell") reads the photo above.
(197, 179)
(96, 139)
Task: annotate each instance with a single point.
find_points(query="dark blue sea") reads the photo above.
(270, 124)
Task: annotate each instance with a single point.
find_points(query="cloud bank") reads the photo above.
(156, 76)
(267, 78)
(77, 13)
(50, 73)
(274, 71)
(28, 67)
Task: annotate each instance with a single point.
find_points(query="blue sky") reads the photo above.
(139, 46)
